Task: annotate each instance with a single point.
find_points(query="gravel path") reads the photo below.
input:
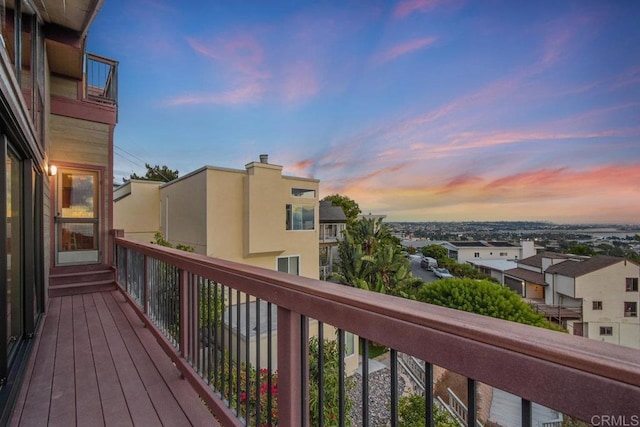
(379, 398)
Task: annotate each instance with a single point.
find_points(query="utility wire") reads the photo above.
(137, 158)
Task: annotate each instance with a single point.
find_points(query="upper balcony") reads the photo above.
(258, 364)
(101, 79)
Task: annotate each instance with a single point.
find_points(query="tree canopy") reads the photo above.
(435, 251)
(155, 173)
(481, 297)
(581, 249)
(349, 206)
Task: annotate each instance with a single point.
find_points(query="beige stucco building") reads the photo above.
(255, 216)
(137, 209)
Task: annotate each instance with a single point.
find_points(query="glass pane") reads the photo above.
(303, 192)
(293, 265)
(14, 249)
(78, 193)
(283, 265)
(78, 236)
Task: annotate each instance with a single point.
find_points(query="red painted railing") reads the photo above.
(576, 376)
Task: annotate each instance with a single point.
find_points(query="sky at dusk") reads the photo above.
(423, 110)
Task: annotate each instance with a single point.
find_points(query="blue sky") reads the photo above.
(424, 110)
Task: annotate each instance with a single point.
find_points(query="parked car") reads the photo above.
(442, 273)
(428, 263)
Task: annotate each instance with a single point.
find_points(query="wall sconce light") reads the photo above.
(53, 170)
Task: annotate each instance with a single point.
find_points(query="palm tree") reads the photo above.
(370, 259)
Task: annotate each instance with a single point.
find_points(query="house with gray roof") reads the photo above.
(595, 297)
(333, 222)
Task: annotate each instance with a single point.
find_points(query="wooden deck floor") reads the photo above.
(95, 364)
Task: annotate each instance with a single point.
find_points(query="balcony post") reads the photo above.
(289, 368)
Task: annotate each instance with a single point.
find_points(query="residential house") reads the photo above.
(494, 267)
(595, 297)
(136, 209)
(58, 112)
(482, 250)
(527, 279)
(333, 222)
(606, 288)
(255, 216)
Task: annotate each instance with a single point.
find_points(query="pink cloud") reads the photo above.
(556, 194)
(300, 82)
(241, 54)
(407, 7)
(405, 48)
(243, 95)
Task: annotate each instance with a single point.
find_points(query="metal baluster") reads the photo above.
(428, 394)
(394, 387)
(341, 382)
(365, 382)
(526, 413)
(471, 400)
(320, 369)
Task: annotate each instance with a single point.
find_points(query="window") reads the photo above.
(300, 217)
(503, 254)
(303, 192)
(349, 344)
(476, 255)
(630, 309)
(597, 305)
(606, 330)
(632, 284)
(289, 264)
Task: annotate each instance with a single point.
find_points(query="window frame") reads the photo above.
(606, 331)
(288, 258)
(630, 309)
(291, 220)
(305, 193)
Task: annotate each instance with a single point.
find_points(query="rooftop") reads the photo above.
(330, 213)
(575, 268)
(536, 260)
(526, 275)
(483, 244)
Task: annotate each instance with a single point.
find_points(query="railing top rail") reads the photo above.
(93, 56)
(537, 364)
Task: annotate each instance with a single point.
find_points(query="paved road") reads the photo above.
(417, 271)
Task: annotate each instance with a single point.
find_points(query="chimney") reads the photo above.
(264, 158)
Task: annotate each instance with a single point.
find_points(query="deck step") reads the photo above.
(81, 288)
(81, 277)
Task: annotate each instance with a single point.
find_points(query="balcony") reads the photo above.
(101, 79)
(258, 365)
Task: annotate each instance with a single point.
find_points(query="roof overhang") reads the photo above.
(65, 25)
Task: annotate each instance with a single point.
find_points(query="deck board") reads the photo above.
(140, 406)
(115, 412)
(63, 392)
(96, 364)
(37, 399)
(185, 395)
(165, 404)
(88, 407)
